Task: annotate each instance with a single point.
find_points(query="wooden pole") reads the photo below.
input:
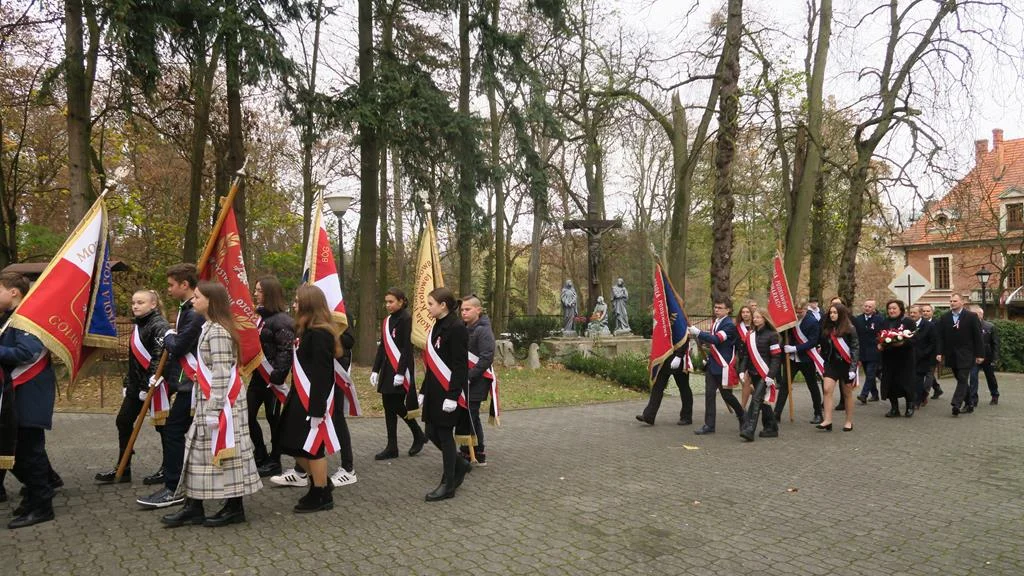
(200, 266)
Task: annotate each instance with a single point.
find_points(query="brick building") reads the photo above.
(978, 224)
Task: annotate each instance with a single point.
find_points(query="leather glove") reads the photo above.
(675, 363)
(693, 330)
(374, 377)
(789, 349)
(419, 399)
(853, 376)
(142, 396)
(315, 422)
(399, 381)
(449, 405)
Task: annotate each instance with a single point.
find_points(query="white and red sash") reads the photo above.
(489, 374)
(189, 366)
(819, 362)
(323, 434)
(743, 331)
(29, 370)
(350, 401)
(223, 442)
(844, 352)
(394, 353)
(142, 356)
(772, 391)
(439, 369)
(721, 336)
(160, 403)
(280, 391)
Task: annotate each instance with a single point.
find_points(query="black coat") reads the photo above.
(347, 342)
(925, 347)
(401, 333)
(152, 327)
(867, 333)
(831, 356)
(811, 328)
(277, 338)
(767, 342)
(451, 340)
(481, 343)
(899, 377)
(316, 356)
(990, 338)
(182, 342)
(960, 345)
(33, 400)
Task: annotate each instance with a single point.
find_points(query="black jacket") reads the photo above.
(925, 347)
(277, 338)
(347, 342)
(33, 400)
(152, 327)
(182, 342)
(828, 351)
(450, 340)
(867, 332)
(481, 343)
(990, 338)
(401, 333)
(767, 342)
(960, 344)
(316, 356)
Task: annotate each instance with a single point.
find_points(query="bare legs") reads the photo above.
(317, 470)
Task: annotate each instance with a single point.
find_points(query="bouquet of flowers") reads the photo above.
(893, 338)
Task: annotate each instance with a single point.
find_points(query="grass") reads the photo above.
(551, 385)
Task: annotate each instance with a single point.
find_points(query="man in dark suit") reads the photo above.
(868, 325)
(924, 353)
(804, 352)
(990, 339)
(960, 345)
(932, 383)
(721, 343)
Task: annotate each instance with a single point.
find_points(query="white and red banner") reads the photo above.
(324, 434)
(780, 301)
(320, 269)
(223, 443)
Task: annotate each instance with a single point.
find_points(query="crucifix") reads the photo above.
(595, 229)
(909, 286)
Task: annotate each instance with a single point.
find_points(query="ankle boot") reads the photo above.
(910, 408)
(320, 499)
(419, 439)
(310, 496)
(462, 467)
(232, 513)
(191, 513)
(894, 409)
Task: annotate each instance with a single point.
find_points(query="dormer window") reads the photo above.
(941, 222)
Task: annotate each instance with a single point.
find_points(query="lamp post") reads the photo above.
(983, 276)
(339, 204)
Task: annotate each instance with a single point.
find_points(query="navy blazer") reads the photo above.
(722, 343)
(33, 400)
(183, 341)
(867, 335)
(812, 331)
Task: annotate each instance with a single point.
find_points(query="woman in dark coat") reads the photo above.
(762, 362)
(897, 362)
(307, 431)
(841, 352)
(446, 357)
(394, 374)
(277, 337)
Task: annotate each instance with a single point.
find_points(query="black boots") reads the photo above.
(318, 498)
(894, 409)
(759, 408)
(231, 513)
(387, 454)
(110, 476)
(191, 513)
(446, 489)
(910, 408)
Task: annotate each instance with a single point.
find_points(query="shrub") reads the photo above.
(1011, 345)
(629, 370)
(525, 330)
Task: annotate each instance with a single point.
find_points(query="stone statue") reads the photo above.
(619, 298)
(599, 320)
(570, 309)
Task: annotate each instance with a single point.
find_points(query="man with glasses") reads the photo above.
(721, 341)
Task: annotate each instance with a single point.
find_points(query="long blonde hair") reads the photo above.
(311, 311)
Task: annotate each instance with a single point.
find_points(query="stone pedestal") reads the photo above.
(607, 346)
(533, 358)
(504, 354)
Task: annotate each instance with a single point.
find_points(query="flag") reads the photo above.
(319, 268)
(670, 322)
(70, 308)
(226, 265)
(428, 277)
(780, 302)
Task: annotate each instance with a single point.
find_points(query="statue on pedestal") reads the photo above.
(570, 309)
(599, 320)
(619, 298)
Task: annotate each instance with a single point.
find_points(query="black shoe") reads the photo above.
(481, 458)
(910, 410)
(110, 477)
(994, 401)
(826, 427)
(967, 409)
(956, 411)
(641, 418)
(850, 429)
(269, 468)
(873, 399)
(440, 493)
(231, 513)
(863, 399)
(768, 434)
(936, 393)
(892, 413)
(162, 498)
(840, 408)
(386, 454)
(36, 516)
(685, 421)
(817, 419)
(747, 435)
(704, 430)
(191, 513)
(155, 478)
(417, 445)
(318, 499)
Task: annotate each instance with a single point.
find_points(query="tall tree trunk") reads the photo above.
(396, 208)
(383, 245)
(854, 226)
(309, 134)
(202, 80)
(467, 183)
(728, 129)
(499, 308)
(236, 144)
(79, 110)
(817, 264)
(679, 229)
(368, 195)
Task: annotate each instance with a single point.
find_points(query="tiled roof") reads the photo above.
(972, 207)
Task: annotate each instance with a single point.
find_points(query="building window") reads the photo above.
(1014, 271)
(1015, 216)
(940, 273)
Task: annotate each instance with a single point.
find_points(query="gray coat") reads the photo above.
(481, 343)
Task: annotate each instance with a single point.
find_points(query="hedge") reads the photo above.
(1011, 345)
(526, 330)
(629, 370)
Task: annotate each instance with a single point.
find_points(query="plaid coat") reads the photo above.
(236, 475)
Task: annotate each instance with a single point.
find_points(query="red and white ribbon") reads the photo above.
(160, 402)
(393, 352)
(223, 444)
(439, 369)
(489, 374)
(819, 362)
(29, 370)
(323, 434)
(350, 400)
(755, 357)
(844, 352)
(142, 356)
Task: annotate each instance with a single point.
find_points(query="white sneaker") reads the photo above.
(291, 478)
(343, 478)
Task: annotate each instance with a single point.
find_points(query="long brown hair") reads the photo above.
(311, 312)
(219, 309)
(842, 326)
(273, 294)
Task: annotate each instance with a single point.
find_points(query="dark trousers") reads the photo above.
(344, 437)
(32, 468)
(394, 406)
(179, 419)
(990, 380)
(758, 408)
(130, 406)
(713, 385)
(474, 416)
(658, 392)
(810, 373)
(444, 438)
(870, 374)
(258, 394)
(922, 382)
(960, 395)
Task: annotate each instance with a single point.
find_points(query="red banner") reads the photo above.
(780, 302)
(227, 266)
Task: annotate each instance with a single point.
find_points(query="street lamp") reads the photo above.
(983, 276)
(339, 204)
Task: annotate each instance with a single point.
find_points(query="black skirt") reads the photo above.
(838, 371)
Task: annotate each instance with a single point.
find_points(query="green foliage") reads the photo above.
(286, 265)
(1011, 345)
(37, 242)
(629, 370)
(525, 330)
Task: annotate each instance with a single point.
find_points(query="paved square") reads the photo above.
(587, 490)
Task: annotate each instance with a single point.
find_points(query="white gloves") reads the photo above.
(693, 330)
(315, 422)
(675, 363)
(419, 399)
(142, 396)
(789, 349)
(853, 376)
(399, 381)
(170, 331)
(374, 377)
(449, 405)
(769, 381)
(154, 382)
